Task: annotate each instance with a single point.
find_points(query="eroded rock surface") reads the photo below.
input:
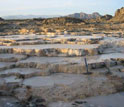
(52, 68)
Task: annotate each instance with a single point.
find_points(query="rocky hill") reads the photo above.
(61, 20)
(85, 16)
(119, 12)
(119, 15)
(102, 19)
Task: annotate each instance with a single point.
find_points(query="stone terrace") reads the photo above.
(54, 66)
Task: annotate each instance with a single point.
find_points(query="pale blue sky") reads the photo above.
(58, 7)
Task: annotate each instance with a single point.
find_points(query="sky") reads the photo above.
(58, 7)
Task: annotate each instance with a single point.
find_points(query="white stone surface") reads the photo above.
(55, 79)
(48, 46)
(113, 100)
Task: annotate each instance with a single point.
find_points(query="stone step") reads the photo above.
(53, 49)
(57, 78)
(6, 65)
(11, 57)
(115, 70)
(24, 72)
(13, 81)
(15, 38)
(67, 87)
(74, 39)
(71, 64)
(31, 42)
(31, 72)
(40, 39)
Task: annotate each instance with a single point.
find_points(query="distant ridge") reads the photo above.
(29, 16)
(75, 15)
(85, 16)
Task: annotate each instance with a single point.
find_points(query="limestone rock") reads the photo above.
(119, 12)
(23, 94)
(119, 15)
(85, 16)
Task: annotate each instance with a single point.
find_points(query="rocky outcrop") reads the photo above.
(119, 15)
(85, 16)
(119, 12)
(61, 20)
(106, 17)
(11, 57)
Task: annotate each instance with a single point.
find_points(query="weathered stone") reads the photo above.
(23, 94)
(54, 49)
(60, 89)
(2, 84)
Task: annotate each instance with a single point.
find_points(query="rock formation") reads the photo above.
(119, 15)
(85, 16)
(106, 17)
(34, 67)
(119, 12)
